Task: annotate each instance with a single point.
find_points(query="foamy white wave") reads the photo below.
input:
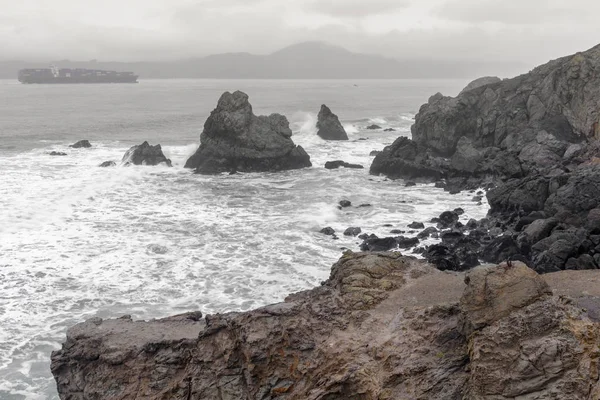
(350, 129)
(79, 241)
(378, 120)
(303, 123)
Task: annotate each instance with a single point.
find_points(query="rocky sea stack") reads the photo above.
(145, 154)
(81, 144)
(234, 139)
(422, 333)
(329, 126)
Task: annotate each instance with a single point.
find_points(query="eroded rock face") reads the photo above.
(509, 129)
(234, 139)
(379, 315)
(145, 154)
(329, 126)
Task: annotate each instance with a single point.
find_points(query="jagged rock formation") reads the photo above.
(339, 163)
(479, 82)
(145, 154)
(329, 126)
(382, 327)
(234, 139)
(81, 144)
(507, 129)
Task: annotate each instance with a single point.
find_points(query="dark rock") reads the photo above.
(329, 126)
(389, 130)
(374, 153)
(329, 231)
(416, 225)
(427, 232)
(373, 127)
(108, 164)
(379, 244)
(57, 153)
(410, 184)
(583, 262)
(404, 159)
(397, 231)
(451, 237)
(500, 249)
(234, 139)
(365, 205)
(459, 211)
(484, 81)
(81, 144)
(353, 231)
(442, 257)
(472, 224)
(448, 218)
(406, 243)
(339, 163)
(345, 203)
(145, 154)
(440, 185)
(476, 199)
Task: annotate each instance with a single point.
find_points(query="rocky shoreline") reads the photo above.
(385, 326)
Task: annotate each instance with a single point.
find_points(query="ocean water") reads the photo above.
(78, 241)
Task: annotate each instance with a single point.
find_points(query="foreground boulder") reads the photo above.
(379, 315)
(81, 144)
(234, 139)
(329, 126)
(145, 154)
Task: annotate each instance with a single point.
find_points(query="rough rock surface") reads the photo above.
(382, 327)
(145, 154)
(82, 144)
(234, 139)
(329, 126)
(479, 82)
(339, 163)
(508, 129)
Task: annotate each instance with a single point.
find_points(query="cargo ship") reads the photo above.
(77, 75)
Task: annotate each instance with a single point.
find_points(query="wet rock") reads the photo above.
(156, 249)
(339, 163)
(427, 232)
(364, 205)
(410, 184)
(472, 224)
(373, 127)
(406, 243)
(404, 159)
(389, 130)
(459, 211)
(345, 203)
(379, 244)
(106, 164)
(583, 262)
(145, 154)
(442, 257)
(57, 153)
(500, 249)
(329, 126)
(476, 199)
(397, 231)
(416, 225)
(234, 139)
(329, 231)
(448, 218)
(81, 144)
(352, 231)
(374, 153)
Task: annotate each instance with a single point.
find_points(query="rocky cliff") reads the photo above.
(234, 139)
(382, 327)
(503, 129)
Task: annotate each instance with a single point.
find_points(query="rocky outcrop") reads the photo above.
(329, 126)
(479, 82)
(339, 163)
(145, 154)
(234, 139)
(382, 327)
(82, 144)
(507, 129)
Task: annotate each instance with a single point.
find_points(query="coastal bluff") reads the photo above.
(383, 326)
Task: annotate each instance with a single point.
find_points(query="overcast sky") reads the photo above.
(531, 31)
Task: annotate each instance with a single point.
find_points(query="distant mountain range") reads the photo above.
(309, 60)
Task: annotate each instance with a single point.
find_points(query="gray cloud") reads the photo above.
(355, 8)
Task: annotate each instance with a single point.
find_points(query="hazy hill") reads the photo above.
(304, 60)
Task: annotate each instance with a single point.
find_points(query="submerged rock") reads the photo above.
(339, 163)
(234, 139)
(106, 164)
(329, 126)
(81, 144)
(373, 127)
(57, 153)
(145, 154)
(378, 314)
